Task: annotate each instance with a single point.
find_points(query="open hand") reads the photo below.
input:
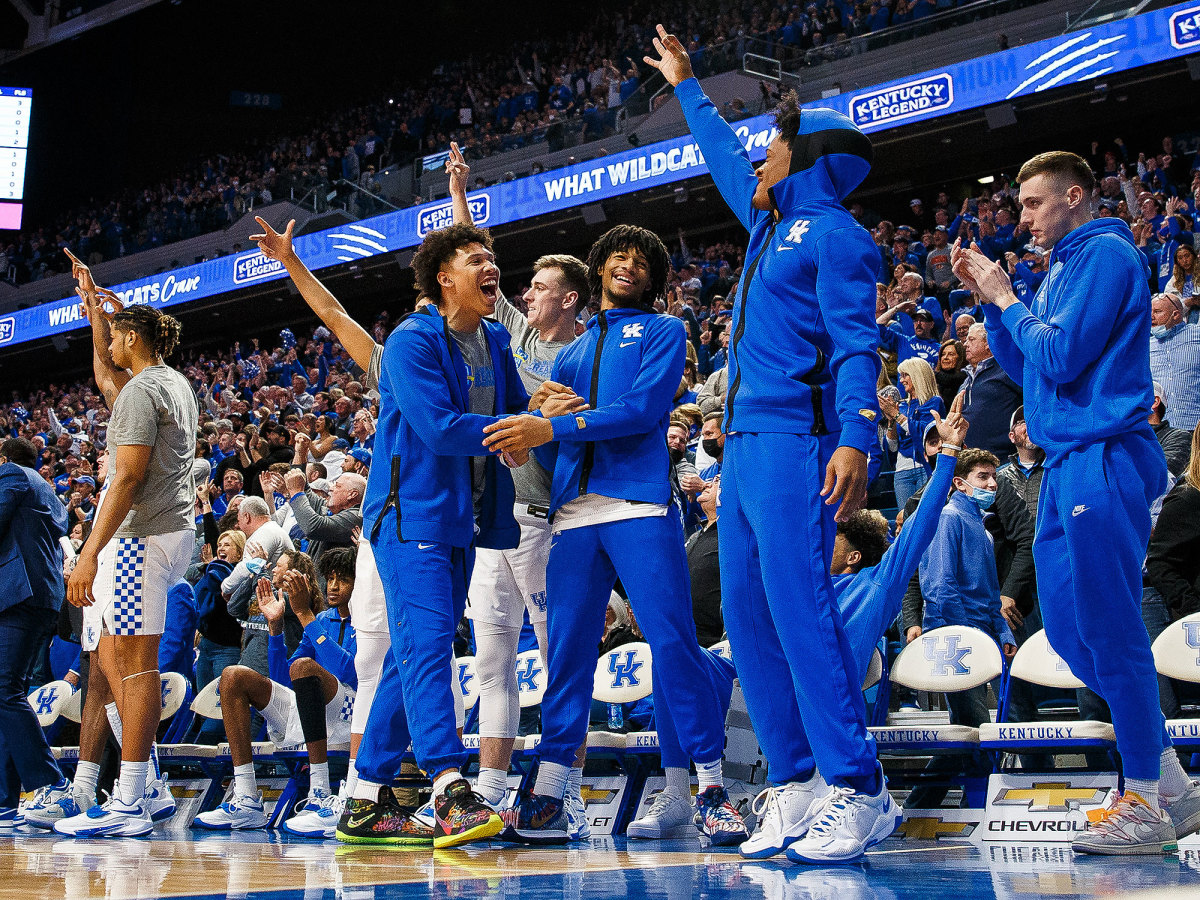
(563, 405)
(457, 169)
(270, 602)
(953, 428)
(673, 60)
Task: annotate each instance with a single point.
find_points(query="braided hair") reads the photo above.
(156, 328)
(631, 237)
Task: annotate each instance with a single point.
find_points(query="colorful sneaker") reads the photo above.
(578, 826)
(669, 816)
(239, 813)
(50, 804)
(846, 824)
(426, 815)
(1128, 827)
(1184, 810)
(381, 821)
(114, 819)
(784, 814)
(717, 819)
(319, 820)
(462, 815)
(536, 819)
(159, 800)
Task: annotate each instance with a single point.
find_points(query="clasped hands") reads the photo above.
(517, 435)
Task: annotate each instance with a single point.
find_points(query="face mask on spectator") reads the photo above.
(983, 499)
(1159, 331)
(712, 447)
(676, 456)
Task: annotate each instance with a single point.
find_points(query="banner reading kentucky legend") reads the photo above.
(1021, 71)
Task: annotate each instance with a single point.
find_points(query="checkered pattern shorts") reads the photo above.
(132, 579)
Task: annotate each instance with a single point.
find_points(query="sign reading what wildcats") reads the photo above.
(1023, 71)
(1043, 808)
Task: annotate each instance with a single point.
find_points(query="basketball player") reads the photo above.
(139, 547)
(507, 583)
(613, 517)
(800, 416)
(1081, 354)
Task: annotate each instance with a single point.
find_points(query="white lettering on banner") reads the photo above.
(442, 215)
(8, 327)
(627, 171)
(903, 100)
(1185, 28)
(254, 266)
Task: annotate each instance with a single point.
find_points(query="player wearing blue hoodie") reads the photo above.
(446, 373)
(613, 516)
(801, 412)
(1081, 353)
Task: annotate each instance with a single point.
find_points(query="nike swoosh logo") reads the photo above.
(785, 247)
(425, 546)
(627, 343)
(358, 823)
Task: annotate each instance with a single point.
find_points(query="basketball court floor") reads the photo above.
(268, 866)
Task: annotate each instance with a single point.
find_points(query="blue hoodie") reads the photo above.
(428, 434)
(802, 354)
(627, 364)
(328, 639)
(1081, 353)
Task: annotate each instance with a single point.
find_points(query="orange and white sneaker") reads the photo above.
(1128, 827)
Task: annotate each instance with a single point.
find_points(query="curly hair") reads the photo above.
(631, 237)
(439, 248)
(338, 561)
(156, 328)
(971, 459)
(866, 531)
(787, 116)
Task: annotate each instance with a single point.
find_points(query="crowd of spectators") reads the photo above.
(537, 91)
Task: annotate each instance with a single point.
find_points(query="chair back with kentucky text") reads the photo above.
(1037, 662)
(623, 675)
(531, 678)
(944, 660)
(1177, 655)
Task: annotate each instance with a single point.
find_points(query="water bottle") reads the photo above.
(616, 717)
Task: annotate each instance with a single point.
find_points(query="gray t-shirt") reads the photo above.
(481, 376)
(157, 409)
(535, 361)
(370, 380)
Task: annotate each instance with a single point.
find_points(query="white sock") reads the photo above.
(351, 781)
(1174, 782)
(318, 777)
(244, 784)
(1147, 789)
(114, 720)
(492, 785)
(551, 780)
(575, 781)
(131, 783)
(710, 775)
(365, 790)
(444, 781)
(679, 783)
(87, 774)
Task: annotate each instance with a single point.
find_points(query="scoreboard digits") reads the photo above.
(16, 104)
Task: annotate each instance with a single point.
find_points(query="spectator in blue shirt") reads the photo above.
(907, 421)
(920, 345)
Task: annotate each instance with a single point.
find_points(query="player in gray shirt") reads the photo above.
(505, 584)
(141, 543)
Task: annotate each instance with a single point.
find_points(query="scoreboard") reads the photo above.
(15, 107)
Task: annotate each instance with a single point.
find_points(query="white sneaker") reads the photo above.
(426, 815)
(49, 804)
(319, 816)
(114, 819)
(784, 815)
(236, 814)
(667, 813)
(1184, 810)
(160, 802)
(9, 817)
(847, 824)
(578, 826)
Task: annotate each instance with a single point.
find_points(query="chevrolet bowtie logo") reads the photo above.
(1051, 796)
(596, 795)
(932, 828)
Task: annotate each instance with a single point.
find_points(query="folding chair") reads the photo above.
(1177, 655)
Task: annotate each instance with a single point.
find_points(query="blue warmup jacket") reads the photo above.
(958, 573)
(871, 598)
(428, 434)
(1081, 353)
(802, 354)
(627, 364)
(911, 443)
(328, 639)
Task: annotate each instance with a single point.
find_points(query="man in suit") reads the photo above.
(31, 590)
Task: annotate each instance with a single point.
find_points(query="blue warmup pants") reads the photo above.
(25, 757)
(1093, 526)
(796, 666)
(648, 556)
(425, 586)
(670, 751)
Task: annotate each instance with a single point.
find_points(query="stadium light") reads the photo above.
(987, 179)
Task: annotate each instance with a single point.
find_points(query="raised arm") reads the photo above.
(109, 378)
(357, 341)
